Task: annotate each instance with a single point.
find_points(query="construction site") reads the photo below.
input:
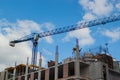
(88, 66)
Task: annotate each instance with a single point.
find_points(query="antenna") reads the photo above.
(106, 50)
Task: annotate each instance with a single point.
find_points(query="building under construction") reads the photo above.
(88, 67)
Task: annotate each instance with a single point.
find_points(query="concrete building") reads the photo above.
(93, 69)
(87, 67)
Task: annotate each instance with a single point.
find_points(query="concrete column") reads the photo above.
(65, 70)
(107, 72)
(14, 73)
(56, 64)
(2, 75)
(47, 74)
(6, 77)
(77, 61)
(26, 71)
(39, 71)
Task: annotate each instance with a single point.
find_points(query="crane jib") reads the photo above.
(83, 24)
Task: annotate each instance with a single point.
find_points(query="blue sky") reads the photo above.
(22, 17)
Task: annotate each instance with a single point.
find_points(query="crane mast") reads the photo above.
(85, 24)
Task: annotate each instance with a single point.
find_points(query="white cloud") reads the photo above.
(89, 16)
(48, 39)
(118, 5)
(97, 7)
(9, 55)
(114, 34)
(93, 9)
(48, 25)
(83, 35)
(46, 52)
(11, 31)
(29, 25)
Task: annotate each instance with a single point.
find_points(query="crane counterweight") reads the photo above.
(12, 44)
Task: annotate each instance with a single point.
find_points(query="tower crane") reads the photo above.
(86, 24)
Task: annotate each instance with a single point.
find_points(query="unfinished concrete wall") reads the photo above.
(114, 75)
(88, 71)
(71, 69)
(65, 70)
(19, 78)
(60, 71)
(43, 75)
(52, 73)
(84, 69)
(47, 74)
(94, 71)
(116, 66)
